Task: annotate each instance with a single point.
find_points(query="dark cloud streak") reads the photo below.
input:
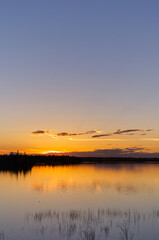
(129, 132)
(40, 132)
(62, 134)
(134, 152)
(102, 135)
(124, 132)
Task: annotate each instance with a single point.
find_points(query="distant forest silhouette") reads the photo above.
(24, 163)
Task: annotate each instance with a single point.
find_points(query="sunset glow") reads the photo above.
(79, 77)
(79, 120)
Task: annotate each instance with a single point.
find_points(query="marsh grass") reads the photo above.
(89, 224)
(125, 230)
(2, 237)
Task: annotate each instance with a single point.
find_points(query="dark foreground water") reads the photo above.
(87, 202)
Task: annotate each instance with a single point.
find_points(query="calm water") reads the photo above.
(84, 202)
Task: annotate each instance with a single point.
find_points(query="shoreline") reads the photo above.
(24, 163)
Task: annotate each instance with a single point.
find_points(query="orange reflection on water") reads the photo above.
(97, 178)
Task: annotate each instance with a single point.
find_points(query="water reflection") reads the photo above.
(2, 237)
(114, 202)
(125, 231)
(91, 224)
(95, 186)
(123, 179)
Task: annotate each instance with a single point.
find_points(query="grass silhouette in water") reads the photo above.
(90, 224)
(125, 231)
(88, 234)
(2, 237)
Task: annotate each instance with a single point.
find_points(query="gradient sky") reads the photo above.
(77, 66)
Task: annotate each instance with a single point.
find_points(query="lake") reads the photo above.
(87, 202)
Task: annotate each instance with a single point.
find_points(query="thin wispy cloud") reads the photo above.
(63, 134)
(151, 139)
(102, 135)
(149, 130)
(94, 133)
(119, 131)
(40, 132)
(129, 132)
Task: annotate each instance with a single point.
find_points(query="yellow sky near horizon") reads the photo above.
(32, 144)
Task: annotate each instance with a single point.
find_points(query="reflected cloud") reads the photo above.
(38, 187)
(99, 179)
(95, 186)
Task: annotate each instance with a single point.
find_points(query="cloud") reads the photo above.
(133, 149)
(62, 134)
(40, 132)
(129, 132)
(94, 133)
(119, 131)
(135, 152)
(149, 130)
(102, 135)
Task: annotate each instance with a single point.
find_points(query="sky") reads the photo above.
(71, 70)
